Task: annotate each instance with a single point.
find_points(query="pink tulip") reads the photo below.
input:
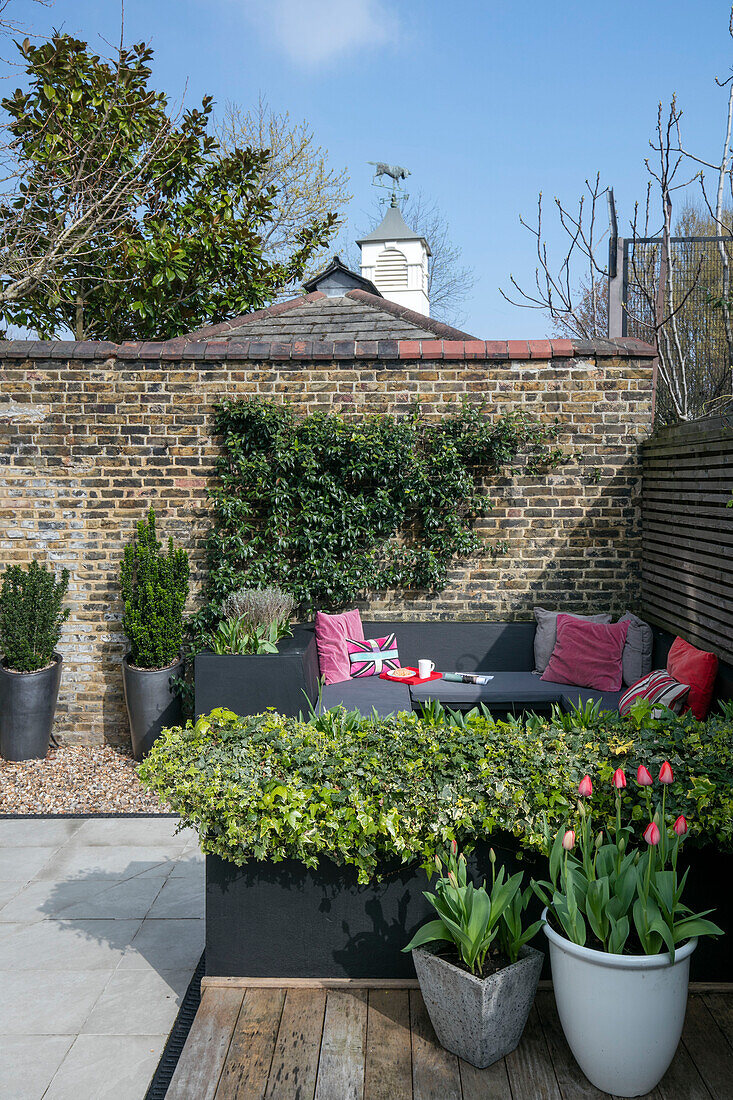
(680, 825)
(619, 779)
(453, 847)
(568, 841)
(585, 787)
(651, 833)
(665, 773)
(643, 777)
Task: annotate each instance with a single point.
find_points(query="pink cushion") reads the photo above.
(587, 654)
(658, 687)
(331, 634)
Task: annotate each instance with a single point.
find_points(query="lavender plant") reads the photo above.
(258, 606)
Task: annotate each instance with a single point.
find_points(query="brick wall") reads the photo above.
(92, 434)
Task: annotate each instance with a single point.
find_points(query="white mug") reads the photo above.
(424, 668)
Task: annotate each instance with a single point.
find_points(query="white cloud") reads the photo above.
(312, 32)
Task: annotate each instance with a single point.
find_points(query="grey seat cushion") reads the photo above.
(509, 688)
(505, 689)
(366, 694)
(636, 659)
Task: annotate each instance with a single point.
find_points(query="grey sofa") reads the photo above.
(505, 651)
(289, 680)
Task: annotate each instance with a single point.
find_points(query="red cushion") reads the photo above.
(587, 654)
(696, 668)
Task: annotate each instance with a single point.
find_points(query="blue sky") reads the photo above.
(486, 102)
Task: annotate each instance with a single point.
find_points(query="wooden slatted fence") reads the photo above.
(687, 532)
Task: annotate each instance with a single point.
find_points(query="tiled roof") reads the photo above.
(358, 315)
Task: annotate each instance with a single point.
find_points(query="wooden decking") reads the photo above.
(304, 1043)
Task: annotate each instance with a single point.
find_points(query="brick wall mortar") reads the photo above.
(87, 444)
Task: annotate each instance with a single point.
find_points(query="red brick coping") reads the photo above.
(185, 348)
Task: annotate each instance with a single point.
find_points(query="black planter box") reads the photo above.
(283, 920)
(286, 680)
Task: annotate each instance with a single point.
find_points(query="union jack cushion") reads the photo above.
(658, 687)
(372, 656)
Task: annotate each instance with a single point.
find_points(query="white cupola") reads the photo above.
(395, 259)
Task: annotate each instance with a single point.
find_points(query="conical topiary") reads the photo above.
(154, 590)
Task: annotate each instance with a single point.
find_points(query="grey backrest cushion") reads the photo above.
(636, 659)
(546, 633)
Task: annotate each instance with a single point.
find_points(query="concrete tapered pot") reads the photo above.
(27, 708)
(152, 702)
(479, 1019)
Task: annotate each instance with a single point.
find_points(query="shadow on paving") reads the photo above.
(160, 903)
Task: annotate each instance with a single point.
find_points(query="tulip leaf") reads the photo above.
(695, 926)
(431, 932)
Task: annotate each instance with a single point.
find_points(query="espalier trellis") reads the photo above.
(154, 587)
(331, 508)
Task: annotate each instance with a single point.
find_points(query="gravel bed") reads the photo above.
(76, 779)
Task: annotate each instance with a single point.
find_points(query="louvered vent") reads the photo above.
(390, 272)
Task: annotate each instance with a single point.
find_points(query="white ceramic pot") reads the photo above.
(622, 1014)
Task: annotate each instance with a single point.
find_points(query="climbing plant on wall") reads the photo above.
(332, 508)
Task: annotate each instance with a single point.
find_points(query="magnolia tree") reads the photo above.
(123, 219)
(668, 290)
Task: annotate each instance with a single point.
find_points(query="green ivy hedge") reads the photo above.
(361, 791)
(330, 508)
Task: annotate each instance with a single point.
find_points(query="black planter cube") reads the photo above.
(286, 680)
(285, 920)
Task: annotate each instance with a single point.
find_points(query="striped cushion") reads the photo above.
(658, 687)
(375, 655)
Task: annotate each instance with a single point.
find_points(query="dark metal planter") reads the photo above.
(277, 920)
(27, 708)
(151, 701)
(248, 684)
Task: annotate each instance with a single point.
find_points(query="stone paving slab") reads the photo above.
(47, 1002)
(24, 831)
(75, 860)
(20, 864)
(138, 1002)
(28, 1064)
(106, 1067)
(101, 927)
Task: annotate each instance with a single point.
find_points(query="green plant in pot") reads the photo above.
(154, 584)
(621, 938)
(31, 618)
(477, 974)
(253, 620)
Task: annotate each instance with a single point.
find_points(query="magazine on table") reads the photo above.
(479, 678)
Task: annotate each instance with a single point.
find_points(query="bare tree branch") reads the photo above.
(308, 188)
(665, 283)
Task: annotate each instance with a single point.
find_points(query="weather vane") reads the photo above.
(396, 173)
